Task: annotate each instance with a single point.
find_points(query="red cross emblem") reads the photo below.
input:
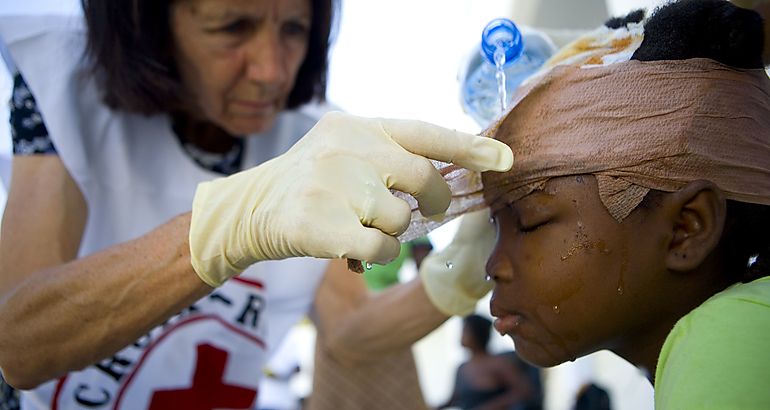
(207, 391)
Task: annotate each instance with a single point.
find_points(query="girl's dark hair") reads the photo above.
(721, 31)
(715, 29)
(480, 328)
(745, 241)
(130, 49)
(635, 16)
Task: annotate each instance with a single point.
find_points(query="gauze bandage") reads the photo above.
(601, 46)
(638, 126)
(467, 196)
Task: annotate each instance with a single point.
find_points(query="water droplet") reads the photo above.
(580, 225)
(556, 309)
(368, 265)
(488, 278)
(449, 265)
(620, 290)
(491, 220)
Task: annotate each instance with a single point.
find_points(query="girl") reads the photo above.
(635, 218)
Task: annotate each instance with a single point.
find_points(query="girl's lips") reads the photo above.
(507, 324)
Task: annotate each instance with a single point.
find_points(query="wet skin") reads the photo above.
(571, 280)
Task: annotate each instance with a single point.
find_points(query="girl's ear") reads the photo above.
(697, 217)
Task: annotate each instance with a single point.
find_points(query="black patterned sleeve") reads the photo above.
(30, 136)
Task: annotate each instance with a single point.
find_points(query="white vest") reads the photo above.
(135, 176)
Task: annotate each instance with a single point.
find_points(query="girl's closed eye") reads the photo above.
(528, 226)
(529, 218)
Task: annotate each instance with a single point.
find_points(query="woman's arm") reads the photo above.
(357, 325)
(59, 313)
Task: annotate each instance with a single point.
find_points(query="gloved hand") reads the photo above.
(455, 277)
(328, 196)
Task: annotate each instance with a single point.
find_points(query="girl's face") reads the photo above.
(239, 58)
(570, 279)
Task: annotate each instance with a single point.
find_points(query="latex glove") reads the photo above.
(328, 196)
(455, 277)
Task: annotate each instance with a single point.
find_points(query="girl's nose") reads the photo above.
(499, 266)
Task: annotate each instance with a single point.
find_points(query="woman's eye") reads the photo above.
(295, 28)
(236, 27)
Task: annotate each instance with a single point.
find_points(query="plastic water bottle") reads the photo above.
(506, 58)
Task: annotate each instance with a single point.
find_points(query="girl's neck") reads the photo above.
(678, 294)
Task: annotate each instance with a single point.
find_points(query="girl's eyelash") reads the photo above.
(528, 229)
(519, 226)
(532, 227)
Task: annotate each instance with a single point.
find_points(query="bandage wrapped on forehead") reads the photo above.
(638, 126)
(600, 46)
(629, 123)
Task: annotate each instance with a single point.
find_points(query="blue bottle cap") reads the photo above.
(501, 34)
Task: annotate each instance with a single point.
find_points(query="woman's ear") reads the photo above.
(697, 216)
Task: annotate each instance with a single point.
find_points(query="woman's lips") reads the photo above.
(253, 107)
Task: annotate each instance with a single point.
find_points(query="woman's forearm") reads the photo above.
(69, 316)
(392, 319)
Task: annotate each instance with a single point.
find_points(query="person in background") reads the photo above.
(592, 397)
(486, 380)
(636, 217)
(532, 373)
(174, 205)
(421, 248)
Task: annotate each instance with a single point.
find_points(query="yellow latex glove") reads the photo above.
(455, 278)
(328, 196)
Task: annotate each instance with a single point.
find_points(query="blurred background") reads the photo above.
(401, 58)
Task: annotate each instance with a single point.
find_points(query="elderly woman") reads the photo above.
(131, 274)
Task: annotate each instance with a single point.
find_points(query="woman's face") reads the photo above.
(466, 338)
(239, 58)
(570, 279)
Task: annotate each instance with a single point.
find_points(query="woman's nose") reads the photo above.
(266, 62)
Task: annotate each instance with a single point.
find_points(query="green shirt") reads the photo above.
(718, 355)
(381, 277)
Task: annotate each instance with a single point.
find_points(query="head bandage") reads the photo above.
(638, 126)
